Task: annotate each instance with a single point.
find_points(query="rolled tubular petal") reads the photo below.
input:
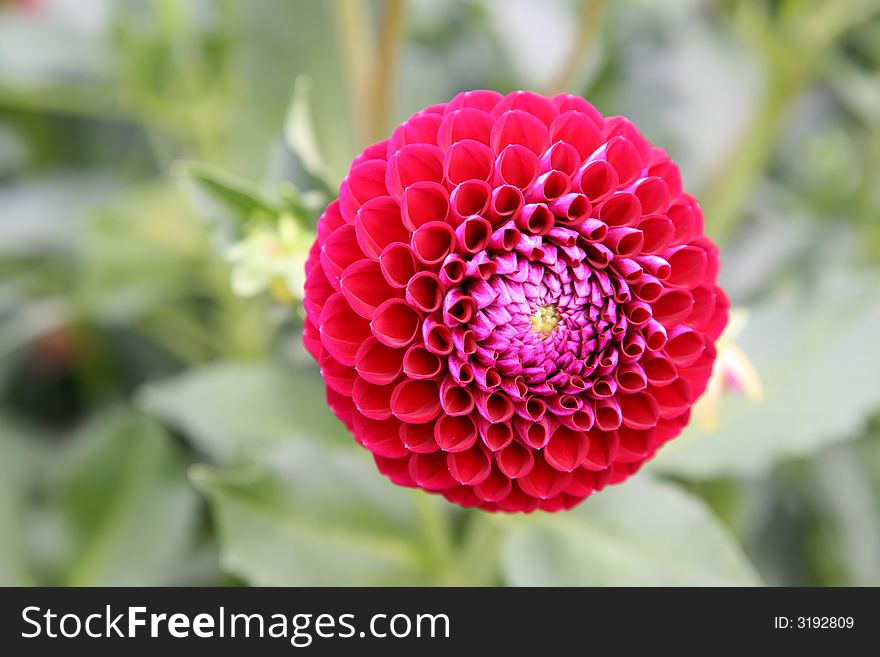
(378, 225)
(596, 179)
(516, 166)
(472, 235)
(578, 130)
(566, 449)
(424, 291)
(378, 363)
(535, 104)
(547, 187)
(468, 160)
(420, 363)
(418, 438)
(659, 370)
(380, 437)
(371, 400)
(620, 209)
(521, 128)
(395, 323)
(337, 376)
(455, 399)
(415, 401)
(470, 467)
(658, 231)
(515, 460)
(455, 433)
(468, 199)
(365, 180)
(495, 487)
(535, 219)
(342, 330)
(653, 194)
(398, 264)
(571, 209)
(339, 251)
(421, 128)
(365, 288)
(423, 202)
(466, 123)
(625, 241)
(431, 472)
(453, 270)
(688, 265)
(542, 481)
(506, 201)
(411, 164)
(432, 242)
(684, 346)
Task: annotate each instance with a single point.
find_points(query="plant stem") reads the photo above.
(587, 28)
(478, 555)
(792, 53)
(436, 533)
(725, 195)
(385, 67)
(352, 25)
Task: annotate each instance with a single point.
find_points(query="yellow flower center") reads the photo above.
(545, 319)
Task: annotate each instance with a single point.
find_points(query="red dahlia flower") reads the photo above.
(512, 302)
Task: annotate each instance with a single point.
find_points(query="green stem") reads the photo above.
(588, 26)
(67, 100)
(386, 65)
(437, 535)
(793, 52)
(726, 193)
(478, 556)
(357, 49)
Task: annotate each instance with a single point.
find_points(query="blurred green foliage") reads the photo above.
(156, 429)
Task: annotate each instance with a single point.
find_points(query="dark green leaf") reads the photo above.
(230, 408)
(123, 496)
(16, 465)
(817, 355)
(221, 198)
(312, 514)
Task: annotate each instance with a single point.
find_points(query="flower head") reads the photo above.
(512, 302)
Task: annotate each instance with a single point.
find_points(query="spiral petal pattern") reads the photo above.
(512, 302)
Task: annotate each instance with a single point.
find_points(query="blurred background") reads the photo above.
(159, 423)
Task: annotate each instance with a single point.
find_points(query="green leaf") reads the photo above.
(230, 408)
(299, 133)
(123, 496)
(221, 198)
(16, 465)
(14, 149)
(816, 353)
(643, 533)
(144, 255)
(307, 206)
(310, 514)
(844, 485)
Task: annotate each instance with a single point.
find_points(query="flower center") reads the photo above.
(539, 321)
(545, 319)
